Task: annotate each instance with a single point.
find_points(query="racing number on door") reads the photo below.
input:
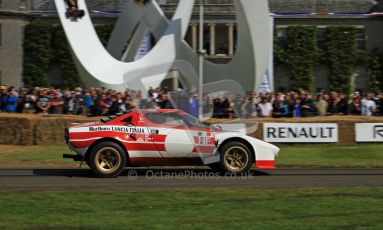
(204, 138)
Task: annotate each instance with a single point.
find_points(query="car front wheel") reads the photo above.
(236, 158)
(107, 159)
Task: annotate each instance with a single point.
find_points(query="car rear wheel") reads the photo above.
(236, 158)
(107, 159)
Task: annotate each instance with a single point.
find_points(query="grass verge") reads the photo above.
(34, 156)
(351, 208)
(364, 155)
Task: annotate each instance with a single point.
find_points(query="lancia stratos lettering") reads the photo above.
(116, 129)
(164, 138)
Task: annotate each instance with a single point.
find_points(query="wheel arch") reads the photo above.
(106, 139)
(241, 140)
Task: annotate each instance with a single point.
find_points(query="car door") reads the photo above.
(204, 139)
(170, 134)
(139, 143)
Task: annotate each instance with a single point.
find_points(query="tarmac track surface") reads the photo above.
(175, 178)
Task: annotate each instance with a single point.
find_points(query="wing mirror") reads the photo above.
(217, 126)
(206, 123)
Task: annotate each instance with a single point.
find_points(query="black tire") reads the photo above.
(107, 159)
(81, 13)
(215, 166)
(236, 158)
(87, 161)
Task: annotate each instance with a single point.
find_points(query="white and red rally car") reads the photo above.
(164, 138)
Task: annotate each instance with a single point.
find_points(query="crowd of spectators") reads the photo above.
(101, 101)
(304, 104)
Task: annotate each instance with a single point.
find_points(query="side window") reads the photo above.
(169, 119)
(194, 122)
(128, 121)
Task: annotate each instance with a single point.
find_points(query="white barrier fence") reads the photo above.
(369, 132)
(300, 132)
(319, 132)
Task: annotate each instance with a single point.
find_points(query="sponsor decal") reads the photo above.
(154, 131)
(300, 132)
(369, 132)
(99, 129)
(147, 138)
(203, 140)
(120, 129)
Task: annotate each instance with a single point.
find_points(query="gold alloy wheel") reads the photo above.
(108, 160)
(236, 158)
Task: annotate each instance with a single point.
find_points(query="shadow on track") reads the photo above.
(86, 173)
(141, 172)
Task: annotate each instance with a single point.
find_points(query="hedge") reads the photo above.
(46, 44)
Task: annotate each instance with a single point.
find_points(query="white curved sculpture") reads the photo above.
(115, 69)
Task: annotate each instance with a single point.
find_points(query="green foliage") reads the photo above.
(375, 73)
(104, 31)
(279, 53)
(301, 54)
(341, 54)
(41, 39)
(37, 54)
(63, 57)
